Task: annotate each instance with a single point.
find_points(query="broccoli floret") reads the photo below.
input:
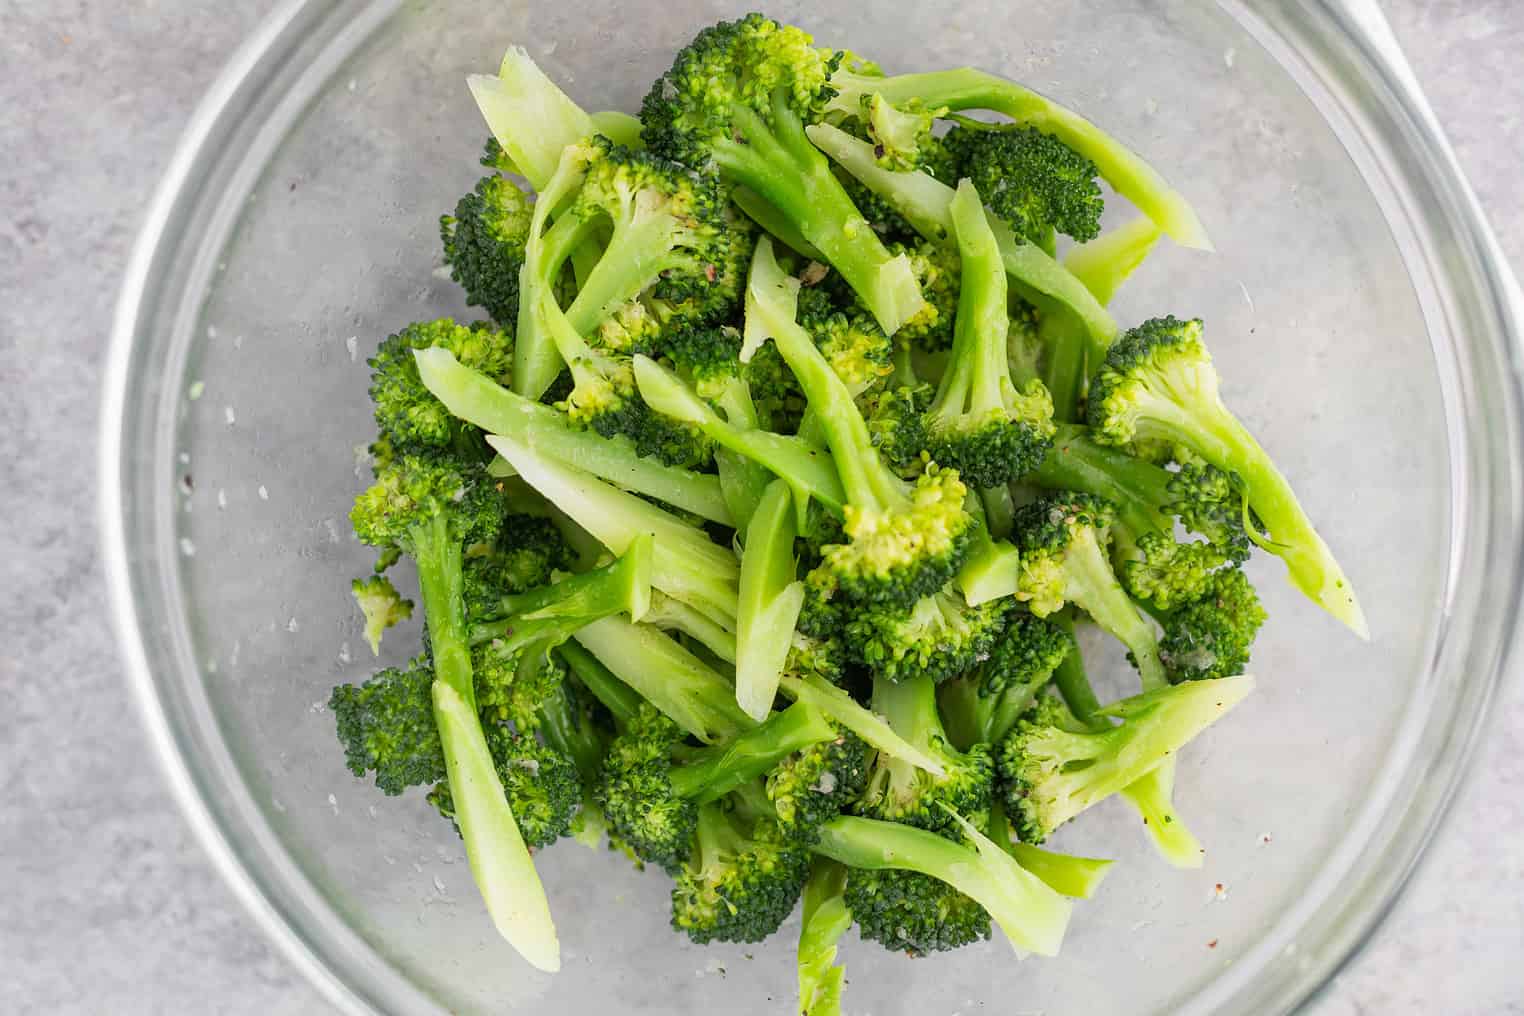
(541, 785)
(904, 541)
(899, 791)
(982, 705)
(527, 553)
(651, 795)
(1031, 914)
(912, 913)
(1063, 542)
(983, 422)
(484, 245)
(381, 605)
(741, 881)
(1032, 180)
(1158, 385)
(1052, 767)
(968, 89)
(938, 271)
(897, 425)
(1152, 565)
(816, 784)
(936, 637)
(407, 414)
(902, 134)
(737, 98)
(1211, 636)
(848, 337)
(386, 726)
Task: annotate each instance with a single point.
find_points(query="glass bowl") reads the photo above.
(1359, 310)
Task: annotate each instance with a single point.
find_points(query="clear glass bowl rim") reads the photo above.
(1343, 55)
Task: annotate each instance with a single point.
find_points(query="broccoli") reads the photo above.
(816, 783)
(912, 913)
(1152, 565)
(981, 422)
(1210, 636)
(1036, 183)
(904, 540)
(981, 706)
(651, 788)
(902, 134)
(541, 784)
(431, 508)
(1158, 385)
(407, 414)
(770, 598)
(936, 637)
(386, 726)
(738, 98)
(825, 919)
(484, 246)
(926, 203)
(969, 89)
(381, 605)
(1032, 916)
(1051, 767)
(741, 881)
(687, 565)
(1063, 540)
(528, 552)
(938, 272)
(475, 399)
(898, 791)
(848, 337)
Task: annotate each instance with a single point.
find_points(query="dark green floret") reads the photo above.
(484, 246)
(740, 882)
(905, 911)
(406, 412)
(817, 783)
(983, 704)
(1211, 636)
(387, 727)
(1032, 180)
(936, 637)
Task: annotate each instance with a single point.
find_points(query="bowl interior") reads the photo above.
(330, 244)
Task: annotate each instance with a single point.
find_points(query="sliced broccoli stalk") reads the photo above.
(622, 701)
(1158, 384)
(773, 222)
(926, 203)
(477, 399)
(687, 565)
(711, 773)
(742, 481)
(992, 569)
(738, 97)
(1076, 877)
(532, 119)
(670, 614)
(904, 541)
(1032, 915)
(1104, 263)
(809, 470)
(620, 128)
(872, 728)
(825, 919)
(969, 89)
(770, 599)
(679, 684)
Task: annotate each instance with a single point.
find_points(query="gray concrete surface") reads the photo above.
(109, 905)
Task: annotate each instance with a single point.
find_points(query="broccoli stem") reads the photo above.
(993, 567)
(714, 772)
(636, 255)
(825, 919)
(770, 599)
(500, 861)
(777, 161)
(806, 468)
(687, 565)
(563, 730)
(669, 614)
(622, 701)
(1135, 487)
(773, 223)
(532, 118)
(623, 587)
(1070, 678)
(742, 481)
(770, 299)
(672, 679)
(926, 203)
(478, 400)
(1075, 877)
(1063, 337)
(1031, 914)
(872, 728)
(1092, 586)
(1104, 263)
(1152, 797)
(979, 371)
(966, 88)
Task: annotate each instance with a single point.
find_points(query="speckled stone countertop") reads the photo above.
(109, 905)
